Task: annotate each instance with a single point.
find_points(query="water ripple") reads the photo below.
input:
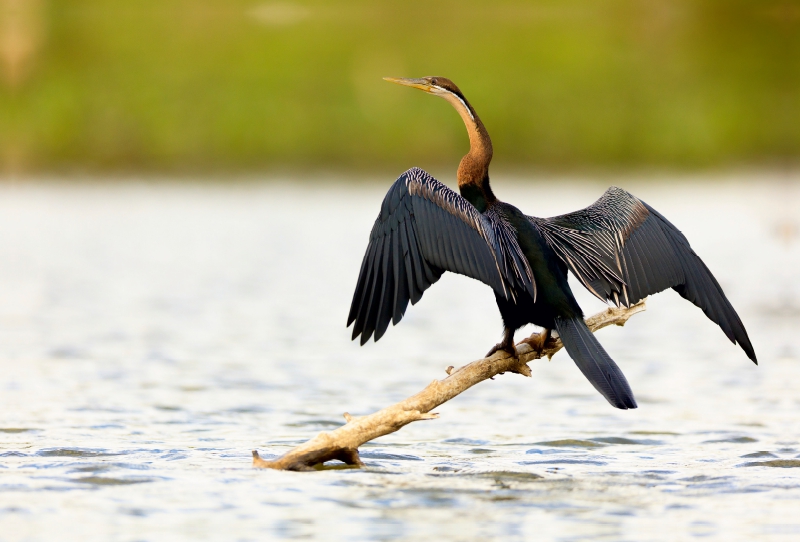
(151, 335)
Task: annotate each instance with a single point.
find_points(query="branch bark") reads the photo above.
(343, 443)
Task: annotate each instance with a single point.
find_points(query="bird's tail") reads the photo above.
(595, 364)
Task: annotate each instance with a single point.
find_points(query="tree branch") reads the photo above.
(343, 443)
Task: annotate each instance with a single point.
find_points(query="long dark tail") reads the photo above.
(595, 364)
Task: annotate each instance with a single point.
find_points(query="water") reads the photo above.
(151, 335)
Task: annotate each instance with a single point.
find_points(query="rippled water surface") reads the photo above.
(152, 335)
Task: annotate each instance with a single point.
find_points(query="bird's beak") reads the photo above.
(421, 84)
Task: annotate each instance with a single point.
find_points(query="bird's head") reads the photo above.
(439, 86)
(433, 85)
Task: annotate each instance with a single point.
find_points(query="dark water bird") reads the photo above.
(619, 248)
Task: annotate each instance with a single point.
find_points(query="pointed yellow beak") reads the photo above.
(421, 84)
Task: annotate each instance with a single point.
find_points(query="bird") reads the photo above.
(619, 248)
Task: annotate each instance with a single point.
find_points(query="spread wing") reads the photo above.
(623, 250)
(423, 230)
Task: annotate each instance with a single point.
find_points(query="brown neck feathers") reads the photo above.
(473, 171)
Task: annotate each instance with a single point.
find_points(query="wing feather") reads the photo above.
(423, 230)
(399, 280)
(384, 311)
(623, 250)
(415, 269)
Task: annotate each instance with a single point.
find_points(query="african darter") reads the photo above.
(619, 248)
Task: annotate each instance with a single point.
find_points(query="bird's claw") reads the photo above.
(537, 344)
(537, 341)
(508, 348)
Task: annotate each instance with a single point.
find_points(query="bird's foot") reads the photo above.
(505, 347)
(537, 340)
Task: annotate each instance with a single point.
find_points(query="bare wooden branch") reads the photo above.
(343, 443)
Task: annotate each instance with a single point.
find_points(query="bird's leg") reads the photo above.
(507, 344)
(537, 340)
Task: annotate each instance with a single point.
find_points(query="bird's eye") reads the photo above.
(433, 81)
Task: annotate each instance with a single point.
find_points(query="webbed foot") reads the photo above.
(537, 340)
(506, 345)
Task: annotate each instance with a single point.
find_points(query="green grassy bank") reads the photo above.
(218, 85)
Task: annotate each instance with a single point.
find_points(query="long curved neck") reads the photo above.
(473, 171)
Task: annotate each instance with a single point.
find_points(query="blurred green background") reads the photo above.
(208, 86)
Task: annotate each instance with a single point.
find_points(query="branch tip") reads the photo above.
(523, 369)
